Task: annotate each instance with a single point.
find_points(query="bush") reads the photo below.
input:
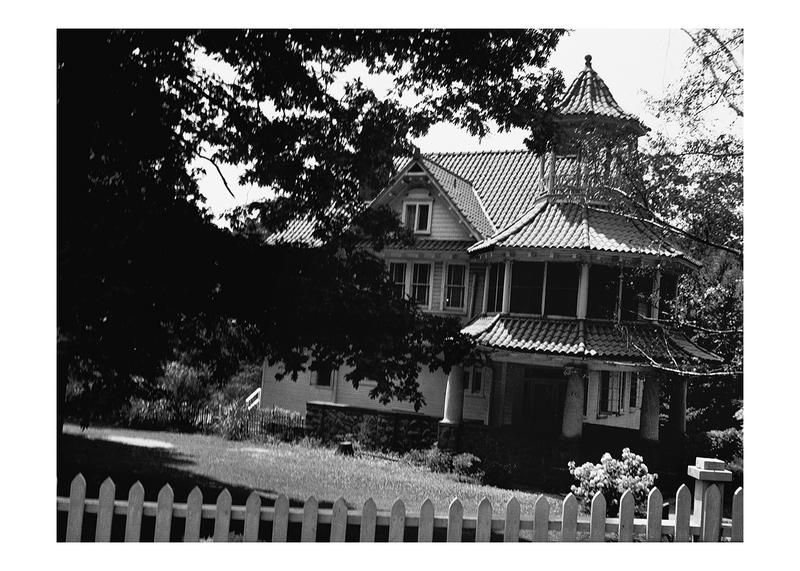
(465, 467)
(612, 477)
(232, 424)
(149, 414)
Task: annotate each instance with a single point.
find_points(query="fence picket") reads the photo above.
(194, 513)
(222, 522)
(737, 516)
(339, 521)
(397, 521)
(511, 529)
(712, 514)
(483, 528)
(368, 516)
(455, 521)
(569, 518)
(308, 533)
(683, 513)
(252, 517)
(626, 507)
(77, 499)
(166, 497)
(105, 512)
(425, 529)
(280, 521)
(541, 519)
(655, 504)
(597, 527)
(711, 526)
(133, 522)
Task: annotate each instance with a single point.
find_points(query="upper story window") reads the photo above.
(668, 285)
(397, 275)
(455, 286)
(421, 284)
(527, 281)
(603, 292)
(417, 216)
(561, 285)
(495, 285)
(637, 294)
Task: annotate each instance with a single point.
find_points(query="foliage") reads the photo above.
(465, 467)
(145, 277)
(232, 424)
(694, 179)
(612, 478)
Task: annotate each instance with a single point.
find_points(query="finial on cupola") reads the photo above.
(588, 59)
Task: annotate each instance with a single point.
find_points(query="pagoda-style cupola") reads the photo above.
(588, 99)
(595, 138)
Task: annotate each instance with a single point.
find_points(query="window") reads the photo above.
(421, 284)
(611, 393)
(323, 375)
(666, 296)
(561, 297)
(473, 380)
(527, 281)
(585, 396)
(633, 400)
(397, 275)
(455, 289)
(637, 292)
(603, 291)
(417, 217)
(494, 300)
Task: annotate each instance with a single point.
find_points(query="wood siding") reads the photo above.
(293, 395)
(445, 224)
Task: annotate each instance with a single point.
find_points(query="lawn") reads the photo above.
(297, 470)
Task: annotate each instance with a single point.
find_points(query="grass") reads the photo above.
(297, 470)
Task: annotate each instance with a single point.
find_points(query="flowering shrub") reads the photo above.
(612, 477)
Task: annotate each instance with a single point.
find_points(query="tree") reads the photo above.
(694, 179)
(144, 275)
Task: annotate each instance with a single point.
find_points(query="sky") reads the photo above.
(631, 62)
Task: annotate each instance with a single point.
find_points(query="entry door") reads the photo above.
(544, 406)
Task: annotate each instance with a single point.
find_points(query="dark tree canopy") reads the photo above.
(143, 273)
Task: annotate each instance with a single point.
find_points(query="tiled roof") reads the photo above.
(588, 95)
(506, 182)
(570, 225)
(463, 195)
(427, 245)
(586, 338)
(298, 230)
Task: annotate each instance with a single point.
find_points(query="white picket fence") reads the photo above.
(682, 526)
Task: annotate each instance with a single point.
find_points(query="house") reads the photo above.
(570, 295)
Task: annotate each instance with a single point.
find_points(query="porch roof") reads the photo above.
(593, 339)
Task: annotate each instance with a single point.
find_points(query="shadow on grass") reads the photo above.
(126, 464)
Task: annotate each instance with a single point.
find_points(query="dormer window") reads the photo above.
(417, 217)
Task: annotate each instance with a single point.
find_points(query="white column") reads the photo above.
(583, 292)
(507, 287)
(648, 420)
(454, 396)
(572, 423)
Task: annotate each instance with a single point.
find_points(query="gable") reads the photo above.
(445, 224)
